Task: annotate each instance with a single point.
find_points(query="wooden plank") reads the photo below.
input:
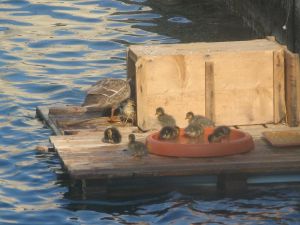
(131, 73)
(279, 84)
(137, 51)
(90, 140)
(58, 110)
(292, 72)
(209, 91)
(68, 120)
(42, 113)
(186, 169)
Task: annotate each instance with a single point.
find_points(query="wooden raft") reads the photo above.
(85, 157)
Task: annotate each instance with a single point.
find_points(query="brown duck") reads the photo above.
(107, 93)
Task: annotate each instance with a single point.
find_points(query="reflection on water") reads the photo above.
(50, 52)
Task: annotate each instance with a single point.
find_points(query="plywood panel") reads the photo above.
(245, 89)
(172, 82)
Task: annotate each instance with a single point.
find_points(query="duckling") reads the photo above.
(220, 133)
(127, 111)
(112, 135)
(136, 148)
(194, 130)
(169, 133)
(199, 119)
(165, 119)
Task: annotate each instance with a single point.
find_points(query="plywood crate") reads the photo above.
(233, 83)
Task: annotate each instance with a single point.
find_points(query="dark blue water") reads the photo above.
(50, 52)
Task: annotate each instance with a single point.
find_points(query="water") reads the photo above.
(50, 52)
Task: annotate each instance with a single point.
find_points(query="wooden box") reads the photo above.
(233, 83)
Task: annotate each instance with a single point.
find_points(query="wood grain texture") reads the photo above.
(175, 83)
(173, 76)
(243, 87)
(42, 114)
(209, 91)
(292, 73)
(86, 157)
(279, 86)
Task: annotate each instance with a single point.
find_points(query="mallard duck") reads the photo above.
(164, 119)
(220, 133)
(199, 119)
(112, 135)
(127, 111)
(194, 130)
(169, 133)
(107, 93)
(136, 148)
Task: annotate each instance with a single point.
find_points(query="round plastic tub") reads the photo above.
(238, 142)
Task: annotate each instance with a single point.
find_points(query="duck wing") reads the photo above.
(106, 93)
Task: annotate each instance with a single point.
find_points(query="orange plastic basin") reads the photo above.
(238, 142)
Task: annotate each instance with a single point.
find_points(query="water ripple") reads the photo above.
(51, 51)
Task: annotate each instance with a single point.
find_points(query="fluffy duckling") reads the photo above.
(165, 119)
(220, 133)
(136, 148)
(169, 133)
(198, 119)
(112, 135)
(194, 130)
(127, 111)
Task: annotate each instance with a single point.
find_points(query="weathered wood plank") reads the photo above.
(42, 113)
(292, 72)
(279, 84)
(58, 110)
(112, 161)
(85, 156)
(209, 91)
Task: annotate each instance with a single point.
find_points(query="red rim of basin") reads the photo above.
(239, 142)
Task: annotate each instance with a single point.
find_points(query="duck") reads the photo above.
(127, 111)
(112, 135)
(164, 119)
(107, 93)
(194, 130)
(169, 133)
(136, 148)
(219, 133)
(199, 119)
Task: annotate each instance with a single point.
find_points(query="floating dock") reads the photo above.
(90, 161)
(244, 82)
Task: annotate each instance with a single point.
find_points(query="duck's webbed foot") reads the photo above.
(112, 118)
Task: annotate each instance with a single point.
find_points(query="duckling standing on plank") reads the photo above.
(169, 133)
(198, 119)
(164, 119)
(220, 133)
(194, 130)
(107, 93)
(112, 135)
(127, 111)
(136, 148)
